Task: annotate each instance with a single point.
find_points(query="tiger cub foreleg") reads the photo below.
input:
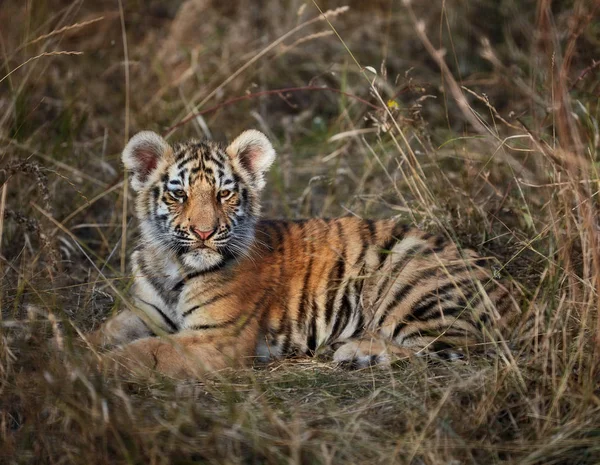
(120, 329)
(146, 313)
(135, 322)
(186, 354)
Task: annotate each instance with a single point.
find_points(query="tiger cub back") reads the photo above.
(372, 290)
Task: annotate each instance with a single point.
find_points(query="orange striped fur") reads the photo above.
(229, 288)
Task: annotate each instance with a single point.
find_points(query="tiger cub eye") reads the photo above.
(225, 194)
(178, 194)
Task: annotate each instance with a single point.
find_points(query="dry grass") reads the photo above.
(479, 119)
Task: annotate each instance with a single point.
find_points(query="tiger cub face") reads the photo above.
(198, 200)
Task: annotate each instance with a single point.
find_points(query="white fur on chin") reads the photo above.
(201, 259)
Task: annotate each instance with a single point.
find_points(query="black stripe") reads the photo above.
(354, 290)
(437, 307)
(223, 324)
(248, 317)
(287, 333)
(420, 250)
(439, 243)
(182, 173)
(444, 332)
(304, 299)
(340, 270)
(399, 327)
(398, 266)
(156, 193)
(272, 229)
(360, 326)
(483, 321)
(399, 231)
(334, 279)
(346, 308)
(364, 244)
(282, 282)
(195, 274)
(442, 347)
(342, 236)
(167, 320)
(361, 255)
(399, 294)
(442, 295)
(264, 301)
(244, 195)
(217, 162)
(312, 308)
(453, 311)
(157, 282)
(312, 334)
(280, 230)
(185, 161)
(470, 298)
(432, 303)
(210, 301)
(343, 313)
(447, 290)
(503, 302)
(386, 250)
(403, 291)
(285, 323)
(372, 229)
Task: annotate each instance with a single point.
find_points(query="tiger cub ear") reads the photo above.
(254, 152)
(142, 154)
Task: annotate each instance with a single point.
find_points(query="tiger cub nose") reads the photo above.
(204, 235)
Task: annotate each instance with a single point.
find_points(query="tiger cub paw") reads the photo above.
(368, 352)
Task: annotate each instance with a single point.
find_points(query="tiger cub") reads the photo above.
(216, 286)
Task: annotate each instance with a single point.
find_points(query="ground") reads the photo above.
(476, 119)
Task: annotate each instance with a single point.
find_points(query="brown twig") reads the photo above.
(267, 92)
(594, 64)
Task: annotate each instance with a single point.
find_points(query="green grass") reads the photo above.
(514, 176)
